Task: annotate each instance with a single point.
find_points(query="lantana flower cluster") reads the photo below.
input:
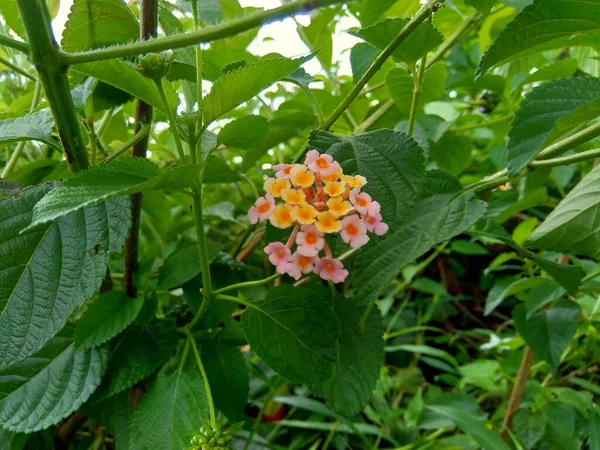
(316, 199)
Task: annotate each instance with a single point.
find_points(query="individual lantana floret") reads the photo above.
(317, 199)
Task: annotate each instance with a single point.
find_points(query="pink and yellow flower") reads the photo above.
(281, 217)
(335, 176)
(279, 254)
(323, 164)
(293, 196)
(360, 200)
(334, 189)
(262, 209)
(304, 214)
(301, 176)
(328, 223)
(331, 269)
(300, 264)
(374, 224)
(356, 181)
(354, 231)
(275, 187)
(338, 206)
(310, 241)
(282, 171)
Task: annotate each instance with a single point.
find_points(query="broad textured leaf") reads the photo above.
(548, 332)
(48, 386)
(505, 287)
(48, 271)
(543, 294)
(174, 407)
(400, 86)
(183, 265)
(105, 317)
(295, 331)
(420, 42)
(392, 162)
(529, 427)
(539, 113)
(473, 427)
(37, 126)
(245, 132)
(483, 6)
(441, 213)
(241, 84)
(545, 25)
(120, 177)
(99, 23)
(361, 354)
(228, 377)
(574, 224)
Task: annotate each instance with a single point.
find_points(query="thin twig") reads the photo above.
(518, 390)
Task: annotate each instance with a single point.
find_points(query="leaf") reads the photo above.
(400, 86)
(452, 153)
(540, 112)
(37, 126)
(228, 378)
(505, 287)
(245, 132)
(529, 426)
(317, 35)
(9, 188)
(548, 332)
(392, 162)
(295, 331)
(545, 25)
(99, 23)
(473, 427)
(217, 171)
(362, 56)
(45, 388)
(563, 68)
(361, 354)
(543, 294)
(47, 272)
(241, 84)
(483, 6)
(568, 276)
(105, 317)
(184, 264)
(572, 227)
(595, 430)
(114, 179)
(10, 13)
(440, 214)
(416, 45)
(174, 407)
(465, 247)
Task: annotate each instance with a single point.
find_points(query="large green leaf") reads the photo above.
(418, 43)
(45, 388)
(295, 331)
(548, 332)
(174, 407)
(573, 225)
(545, 25)
(400, 86)
(117, 178)
(441, 213)
(392, 162)
(48, 271)
(10, 13)
(183, 265)
(529, 426)
(540, 112)
(37, 127)
(105, 317)
(241, 84)
(541, 295)
(361, 354)
(99, 23)
(245, 132)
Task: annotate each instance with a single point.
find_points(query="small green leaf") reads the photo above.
(524, 230)
(465, 247)
(174, 407)
(563, 68)
(183, 265)
(362, 56)
(505, 287)
(99, 23)
(245, 132)
(37, 126)
(107, 316)
(48, 386)
(529, 426)
(400, 86)
(361, 354)
(483, 6)
(295, 331)
(541, 295)
(10, 13)
(550, 332)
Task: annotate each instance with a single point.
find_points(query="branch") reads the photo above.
(13, 43)
(518, 390)
(206, 35)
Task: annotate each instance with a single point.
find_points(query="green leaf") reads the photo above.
(245, 132)
(543, 294)
(483, 6)
(440, 214)
(228, 378)
(563, 68)
(99, 23)
(317, 35)
(241, 84)
(217, 171)
(10, 13)
(392, 162)
(418, 43)
(45, 388)
(137, 354)
(572, 226)
(568, 276)
(473, 427)
(184, 264)
(539, 114)
(295, 331)
(174, 407)
(47, 272)
(361, 354)
(545, 25)
(548, 332)
(465, 247)
(595, 430)
(505, 287)
(362, 56)
(37, 126)
(529, 426)
(400, 86)
(114, 179)
(105, 317)
(452, 153)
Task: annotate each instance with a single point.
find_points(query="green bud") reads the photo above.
(154, 65)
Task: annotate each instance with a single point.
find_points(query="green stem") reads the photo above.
(184, 355)
(455, 38)
(129, 143)
(209, 397)
(198, 58)
(91, 130)
(205, 35)
(246, 284)
(230, 298)
(13, 43)
(17, 69)
(171, 119)
(417, 83)
(475, 126)
(571, 142)
(566, 160)
(45, 57)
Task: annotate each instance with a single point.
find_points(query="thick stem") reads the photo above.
(45, 57)
(143, 119)
(571, 142)
(566, 160)
(13, 43)
(206, 35)
(518, 390)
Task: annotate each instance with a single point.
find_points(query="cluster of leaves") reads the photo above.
(473, 323)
